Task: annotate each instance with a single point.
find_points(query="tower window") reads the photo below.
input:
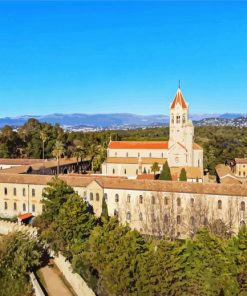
(178, 119)
(172, 120)
(184, 118)
(219, 204)
(128, 198)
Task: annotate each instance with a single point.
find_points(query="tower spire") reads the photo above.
(179, 83)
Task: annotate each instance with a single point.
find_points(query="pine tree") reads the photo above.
(183, 175)
(165, 173)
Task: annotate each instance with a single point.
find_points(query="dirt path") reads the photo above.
(53, 281)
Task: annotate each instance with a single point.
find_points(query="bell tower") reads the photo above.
(181, 127)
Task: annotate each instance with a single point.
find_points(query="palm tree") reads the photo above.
(155, 168)
(44, 138)
(79, 153)
(92, 151)
(57, 152)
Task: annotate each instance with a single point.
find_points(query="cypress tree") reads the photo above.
(104, 213)
(165, 173)
(183, 175)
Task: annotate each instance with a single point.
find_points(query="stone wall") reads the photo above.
(7, 227)
(77, 283)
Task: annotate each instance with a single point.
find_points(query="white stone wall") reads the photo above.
(77, 283)
(21, 202)
(155, 153)
(153, 221)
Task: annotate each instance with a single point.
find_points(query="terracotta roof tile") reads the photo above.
(179, 99)
(138, 145)
(241, 160)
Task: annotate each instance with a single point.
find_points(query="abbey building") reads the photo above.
(133, 159)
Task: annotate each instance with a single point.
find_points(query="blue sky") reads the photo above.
(104, 57)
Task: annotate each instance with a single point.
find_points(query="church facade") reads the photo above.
(132, 159)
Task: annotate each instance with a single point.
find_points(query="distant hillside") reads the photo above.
(236, 122)
(120, 120)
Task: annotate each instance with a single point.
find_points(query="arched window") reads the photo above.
(136, 172)
(115, 154)
(192, 221)
(15, 206)
(172, 120)
(91, 196)
(192, 202)
(178, 219)
(5, 205)
(139, 154)
(128, 198)
(5, 191)
(115, 213)
(184, 118)
(166, 201)
(127, 154)
(113, 171)
(33, 192)
(97, 196)
(105, 196)
(125, 171)
(178, 119)
(166, 219)
(150, 154)
(140, 217)
(244, 174)
(162, 154)
(24, 207)
(178, 201)
(14, 191)
(116, 197)
(219, 204)
(128, 216)
(33, 208)
(242, 206)
(140, 199)
(24, 191)
(153, 200)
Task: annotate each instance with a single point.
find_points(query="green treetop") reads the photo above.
(155, 168)
(165, 173)
(183, 175)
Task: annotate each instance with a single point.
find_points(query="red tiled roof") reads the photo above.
(145, 177)
(25, 216)
(179, 99)
(138, 145)
(241, 160)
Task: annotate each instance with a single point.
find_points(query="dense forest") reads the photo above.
(220, 144)
(115, 260)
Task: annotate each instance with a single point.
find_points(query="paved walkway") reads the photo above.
(54, 284)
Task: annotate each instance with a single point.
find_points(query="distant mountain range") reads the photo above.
(121, 120)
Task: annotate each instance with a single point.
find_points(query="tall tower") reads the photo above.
(181, 130)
